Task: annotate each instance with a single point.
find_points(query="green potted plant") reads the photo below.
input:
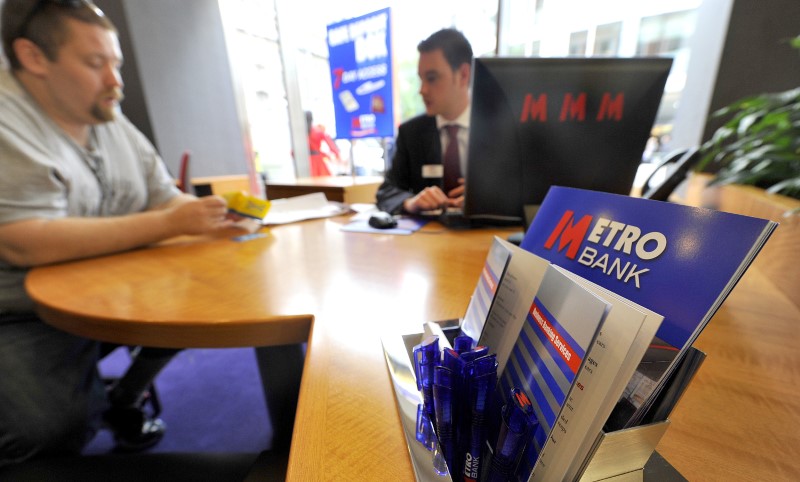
(760, 143)
(759, 147)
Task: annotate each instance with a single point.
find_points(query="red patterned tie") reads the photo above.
(451, 162)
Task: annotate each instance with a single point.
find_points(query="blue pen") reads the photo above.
(481, 381)
(424, 430)
(453, 361)
(462, 343)
(443, 382)
(426, 357)
(517, 423)
(462, 411)
(475, 353)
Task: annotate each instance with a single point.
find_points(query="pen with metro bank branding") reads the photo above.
(452, 361)
(475, 353)
(424, 429)
(426, 357)
(516, 424)
(462, 344)
(481, 380)
(461, 409)
(443, 383)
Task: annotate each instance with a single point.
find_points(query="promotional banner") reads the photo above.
(361, 76)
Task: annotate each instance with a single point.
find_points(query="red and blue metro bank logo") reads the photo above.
(613, 247)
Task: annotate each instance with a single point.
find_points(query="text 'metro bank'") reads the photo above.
(628, 244)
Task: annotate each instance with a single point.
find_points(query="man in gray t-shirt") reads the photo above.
(78, 180)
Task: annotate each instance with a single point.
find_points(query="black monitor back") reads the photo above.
(539, 122)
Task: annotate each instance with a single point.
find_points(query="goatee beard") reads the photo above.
(103, 115)
(106, 115)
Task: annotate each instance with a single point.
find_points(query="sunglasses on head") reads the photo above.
(63, 3)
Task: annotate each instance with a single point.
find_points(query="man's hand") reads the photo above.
(426, 200)
(433, 197)
(200, 215)
(455, 198)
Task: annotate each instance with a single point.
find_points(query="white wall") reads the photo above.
(185, 72)
(701, 76)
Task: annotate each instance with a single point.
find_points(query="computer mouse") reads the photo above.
(382, 220)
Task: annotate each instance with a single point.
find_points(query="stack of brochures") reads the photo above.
(592, 318)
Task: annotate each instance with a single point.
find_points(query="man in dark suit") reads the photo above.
(418, 180)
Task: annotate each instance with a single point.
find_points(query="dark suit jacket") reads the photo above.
(418, 143)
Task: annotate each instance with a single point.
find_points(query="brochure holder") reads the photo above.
(592, 260)
(621, 456)
(617, 456)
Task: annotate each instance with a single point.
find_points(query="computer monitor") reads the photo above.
(540, 122)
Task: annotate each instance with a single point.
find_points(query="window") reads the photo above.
(577, 43)
(606, 40)
(256, 25)
(665, 34)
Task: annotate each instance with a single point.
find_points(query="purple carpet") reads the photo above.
(212, 401)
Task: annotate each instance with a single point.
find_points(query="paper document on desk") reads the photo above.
(301, 208)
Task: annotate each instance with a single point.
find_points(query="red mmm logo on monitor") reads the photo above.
(573, 108)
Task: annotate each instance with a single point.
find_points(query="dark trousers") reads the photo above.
(146, 364)
(51, 395)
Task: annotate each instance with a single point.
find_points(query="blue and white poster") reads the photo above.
(361, 76)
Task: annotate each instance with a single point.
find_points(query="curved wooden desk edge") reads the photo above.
(120, 298)
(273, 331)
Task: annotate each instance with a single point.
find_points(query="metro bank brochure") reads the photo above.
(542, 314)
(485, 290)
(560, 327)
(619, 347)
(679, 261)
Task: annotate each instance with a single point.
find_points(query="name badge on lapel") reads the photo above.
(430, 171)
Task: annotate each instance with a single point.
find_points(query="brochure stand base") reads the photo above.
(621, 456)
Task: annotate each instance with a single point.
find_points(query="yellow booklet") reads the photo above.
(245, 205)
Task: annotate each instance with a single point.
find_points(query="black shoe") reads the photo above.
(133, 429)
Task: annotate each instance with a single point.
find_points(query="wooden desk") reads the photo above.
(347, 423)
(346, 189)
(200, 292)
(190, 292)
(738, 420)
(205, 292)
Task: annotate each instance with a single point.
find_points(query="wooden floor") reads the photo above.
(740, 417)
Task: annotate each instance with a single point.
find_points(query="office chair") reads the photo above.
(678, 164)
(184, 183)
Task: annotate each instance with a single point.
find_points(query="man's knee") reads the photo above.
(58, 436)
